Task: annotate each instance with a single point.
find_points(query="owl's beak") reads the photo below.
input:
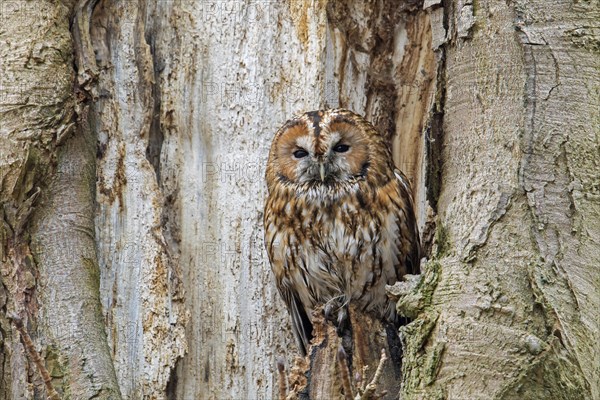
(322, 171)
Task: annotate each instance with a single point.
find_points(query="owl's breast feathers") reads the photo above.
(348, 246)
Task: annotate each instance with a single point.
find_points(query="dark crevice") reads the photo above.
(394, 348)
(156, 136)
(155, 140)
(380, 87)
(434, 136)
(6, 335)
(435, 129)
(171, 389)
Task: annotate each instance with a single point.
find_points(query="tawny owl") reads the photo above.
(339, 219)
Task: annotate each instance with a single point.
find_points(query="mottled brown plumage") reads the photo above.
(339, 219)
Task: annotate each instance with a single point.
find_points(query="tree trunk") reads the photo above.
(509, 307)
(50, 272)
(152, 282)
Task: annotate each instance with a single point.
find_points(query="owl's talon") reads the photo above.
(328, 312)
(342, 317)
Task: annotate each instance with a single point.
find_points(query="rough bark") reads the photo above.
(559, 173)
(142, 294)
(49, 267)
(508, 306)
(64, 248)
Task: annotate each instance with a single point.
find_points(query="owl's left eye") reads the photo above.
(300, 153)
(341, 148)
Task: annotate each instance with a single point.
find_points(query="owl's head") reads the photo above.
(322, 149)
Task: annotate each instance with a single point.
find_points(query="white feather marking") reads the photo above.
(402, 180)
(306, 143)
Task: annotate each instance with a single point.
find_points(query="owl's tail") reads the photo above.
(301, 324)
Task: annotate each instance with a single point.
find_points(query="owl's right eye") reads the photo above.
(300, 153)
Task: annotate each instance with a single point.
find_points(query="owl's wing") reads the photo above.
(410, 231)
(301, 324)
(275, 236)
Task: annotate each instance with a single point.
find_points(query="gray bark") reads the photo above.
(49, 265)
(509, 306)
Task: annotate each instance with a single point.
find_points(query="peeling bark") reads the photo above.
(141, 286)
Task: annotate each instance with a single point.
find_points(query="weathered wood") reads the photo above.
(140, 282)
(326, 376)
